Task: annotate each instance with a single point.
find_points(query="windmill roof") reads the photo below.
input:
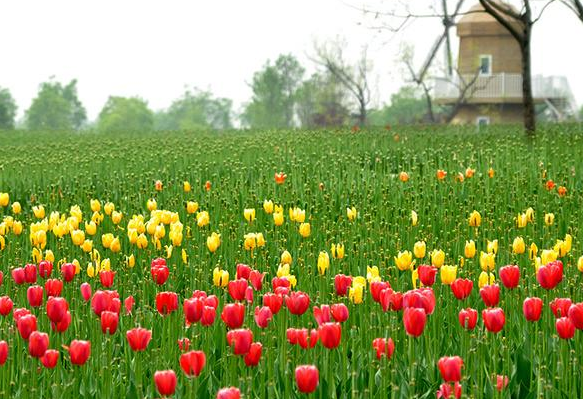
(477, 22)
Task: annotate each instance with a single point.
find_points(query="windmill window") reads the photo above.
(482, 121)
(485, 65)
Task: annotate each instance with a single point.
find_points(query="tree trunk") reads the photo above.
(527, 99)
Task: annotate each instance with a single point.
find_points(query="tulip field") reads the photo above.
(414, 263)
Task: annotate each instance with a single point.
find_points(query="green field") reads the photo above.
(327, 172)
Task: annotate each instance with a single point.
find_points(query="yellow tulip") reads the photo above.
(414, 218)
(77, 266)
(78, 236)
(403, 260)
(414, 277)
(286, 258)
(168, 249)
(106, 240)
(470, 249)
(249, 214)
(142, 241)
(4, 199)
(90, 228)
(76, 213)
(518, 245)
(419, 249)
(568, 242)
(548, 255)
(355, 293)
(186, 186)
(297, 215)
(486, 279)
(95, 205)
(39, 211)
(2, 243)
(292, 280)
(3, 229)
(260, 239)
(191, 207)
(17, 227)
(491, 173)
(202, 218)
(580, 264)
(475, 219)
(337, 251)
(268, 206)
(487, 261)
(372, 274)
(530, 215)
(305, 230)
(521, 220)
(213, 242)
(105, 265)
(278, 218)
(250, 241)
(532, 251)
(560, 248)
(115, 245)
(278, 209)
(16, 208)
(87, 246)
(220, 277)
(49, 255)
(448, 274)
(537, 263)
(184, 256)
(108, 208)
(90, 270)
(97, 218)
(116, 217)
(492, 246)
(131, 261)
(323, 262)
(437, 257)
(351, 213)
(152, 205)
(283, 270)
(549, 218)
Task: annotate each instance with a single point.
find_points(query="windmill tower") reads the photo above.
(490, 58)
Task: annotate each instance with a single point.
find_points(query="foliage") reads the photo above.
(407, 107)
(7, 109)
(56, 107)
(321, 102)
(125, 114)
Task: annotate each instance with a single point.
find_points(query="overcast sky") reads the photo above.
(153, 49)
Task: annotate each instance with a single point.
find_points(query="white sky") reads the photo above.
(154, 48)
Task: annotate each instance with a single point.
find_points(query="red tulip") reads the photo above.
(414, 320)
(129, 304)
(391, 300)
(494, 319)
(50, 358)
(79, 351)
(263, 316)
(307, 338)
(532, 308)
(86, 291)
(383, 346)
(106, 278)
(212, 301)
(3, 352)
(192, 363)
(279, 282)
(183, 344)
(254, 355)
(34, 294)
(38, 343)
(208, 316)
(19, 312)
(423, 298)
(229, 393)
(576, 315)
(57, 308)
(6, 305)
(233, 315)
(297, 302)
(256, 279)
(18, 275)
(560, 306)
(462, 288)
(501, 382)
(159, 271)
(450, 368)
(240, 340)
(26, 324)
(249, 295)
(468, 318)
(330, 335)
(376, 287)
(30, 273)
(307, 378)
(273, 301)
(62, 325)
(342, 284)
(550, 275)
(322, 314)
(510, 276)
(339, 312)
(165, 382)
(105, 300)
(565, 327)
(138, 338)
(490, 295)
(446, 391)
(427, 274)
(53, 287)
(109, 321)
(166, 302)
(192, 309)
(45, 268)
(68, 272)
(243, 271)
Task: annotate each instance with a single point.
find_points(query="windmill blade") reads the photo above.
(431, 56)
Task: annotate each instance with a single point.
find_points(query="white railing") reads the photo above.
(502, 86)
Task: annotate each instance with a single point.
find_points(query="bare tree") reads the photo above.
(576, 6)
(353, 77)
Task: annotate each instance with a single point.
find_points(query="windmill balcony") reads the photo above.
(501, 88)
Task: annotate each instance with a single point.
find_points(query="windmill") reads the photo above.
(448, 22)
